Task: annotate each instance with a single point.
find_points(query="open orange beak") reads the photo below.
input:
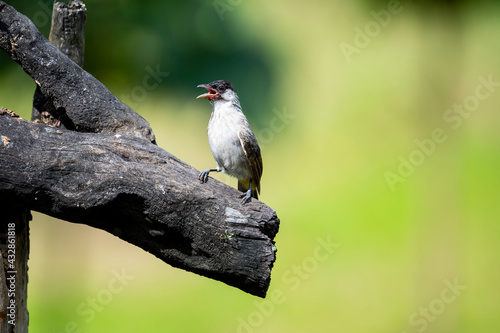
(210, 94)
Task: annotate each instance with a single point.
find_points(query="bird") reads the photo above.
(231, 140)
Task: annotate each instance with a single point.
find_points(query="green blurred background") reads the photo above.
(345, 98)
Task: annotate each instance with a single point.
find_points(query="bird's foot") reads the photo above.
(203, 176)
(246, 196)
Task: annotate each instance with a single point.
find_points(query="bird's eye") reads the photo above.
(221, 88)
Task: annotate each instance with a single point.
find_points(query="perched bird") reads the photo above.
(232, 142)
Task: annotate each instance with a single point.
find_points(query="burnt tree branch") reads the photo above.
(67, 33)
(142, 194)
(73, 92)
(117, 180)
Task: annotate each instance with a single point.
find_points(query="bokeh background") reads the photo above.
(345, 98)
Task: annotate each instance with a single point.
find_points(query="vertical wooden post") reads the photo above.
(68, 29)
(14, 247)
(68, 34)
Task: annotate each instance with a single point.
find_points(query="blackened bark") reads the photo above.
(67, 33)
(142, 194)
(117, 180)
(89, 105)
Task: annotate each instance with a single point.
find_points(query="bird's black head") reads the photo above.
(218, 90)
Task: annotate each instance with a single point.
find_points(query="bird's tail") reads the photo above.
(243, 187)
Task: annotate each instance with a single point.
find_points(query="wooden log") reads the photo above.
(87, 103)
(142, 194)
(67, 33)
(123, 183)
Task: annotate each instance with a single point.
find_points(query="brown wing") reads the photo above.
(252, 153)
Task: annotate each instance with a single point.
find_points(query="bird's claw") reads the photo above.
(203, 176)
(246, 197)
